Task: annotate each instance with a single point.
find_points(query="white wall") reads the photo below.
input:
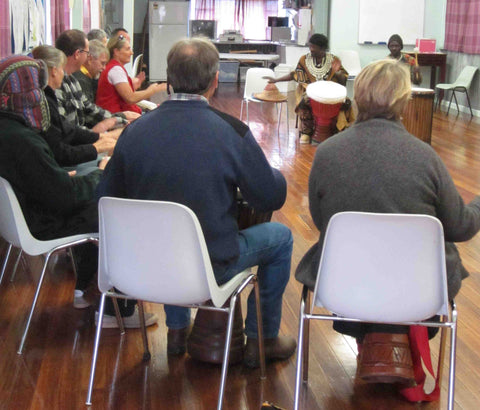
(76, 15)
(320, 16)
(343, 28)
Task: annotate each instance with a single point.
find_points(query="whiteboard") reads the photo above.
(379, 19)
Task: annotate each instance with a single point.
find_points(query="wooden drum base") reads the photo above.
(418, 115)
(322, 132)
(207, 339)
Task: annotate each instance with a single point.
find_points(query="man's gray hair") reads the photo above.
(97, 48)
(97, 34)
(192, 65)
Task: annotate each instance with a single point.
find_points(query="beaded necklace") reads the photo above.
(319, 72)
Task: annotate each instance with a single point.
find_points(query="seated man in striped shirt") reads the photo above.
(73, 104)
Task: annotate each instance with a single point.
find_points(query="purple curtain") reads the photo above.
(233, 14)
(205, 10)
(5, 33)
(462, 27)
(87, 20)
(60, 15)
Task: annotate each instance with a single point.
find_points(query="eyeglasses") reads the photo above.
(85, 51)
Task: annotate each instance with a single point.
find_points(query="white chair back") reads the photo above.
(154, 251)
(350, 61)
(466, 77)
(383, 267)
(136, 64)
(13, 227)
(254, 81)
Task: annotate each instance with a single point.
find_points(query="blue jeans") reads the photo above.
(268, 246)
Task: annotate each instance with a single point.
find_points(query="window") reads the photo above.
(248, 16)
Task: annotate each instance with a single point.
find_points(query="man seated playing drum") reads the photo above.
(395, 46)
(153, 160)
(318, 65)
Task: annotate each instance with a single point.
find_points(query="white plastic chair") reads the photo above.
(461, 84)
(14, 229)
(384, 268)
(255, 83)
(155, 251)
(136, 64)
(350, 61)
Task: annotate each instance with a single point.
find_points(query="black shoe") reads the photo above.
(177, 341)
(279, 348)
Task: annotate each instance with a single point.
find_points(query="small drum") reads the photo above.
(326, 98)
(418, 114)
(248, 216)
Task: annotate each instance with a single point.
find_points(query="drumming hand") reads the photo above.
(103, 163)
(336, 65)
(270, 79)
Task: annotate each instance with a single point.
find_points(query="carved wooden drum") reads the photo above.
(418, 114)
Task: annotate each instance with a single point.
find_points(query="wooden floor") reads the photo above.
(53, 371)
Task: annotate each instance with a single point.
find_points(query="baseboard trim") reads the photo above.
(463, 108)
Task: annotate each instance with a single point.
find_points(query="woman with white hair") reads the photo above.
(377, 166)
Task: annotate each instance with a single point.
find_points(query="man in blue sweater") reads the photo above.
(187, 152)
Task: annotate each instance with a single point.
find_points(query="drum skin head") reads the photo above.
(327, 92)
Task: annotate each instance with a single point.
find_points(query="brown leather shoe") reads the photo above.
(177, 341)
(279, 348)
(386, 358)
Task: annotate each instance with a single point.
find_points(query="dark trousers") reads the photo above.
(86, 255)
(307, 122)
(359, 330)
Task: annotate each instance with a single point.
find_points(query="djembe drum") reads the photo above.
(207, 339)
(418, 115)
(326, 98)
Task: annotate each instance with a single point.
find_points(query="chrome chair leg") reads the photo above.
(288, 118)
(453, 349)
(118, 316)
(441, 352)
(456, 102)
(74, 265)
(261, 344)
(95, 349)
(306, 335)
(15, 267)
(450, 103)
(469, 105)
(37, 292)
(226, 353)
(5, 262)
(298, 374)
(141, 314)
(279, 116)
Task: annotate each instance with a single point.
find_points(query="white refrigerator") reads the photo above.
(168, 22)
